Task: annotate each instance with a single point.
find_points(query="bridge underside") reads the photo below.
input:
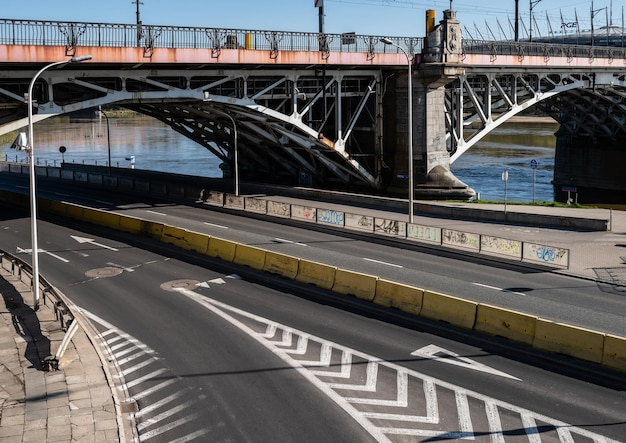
(590, 108)
(298, 126)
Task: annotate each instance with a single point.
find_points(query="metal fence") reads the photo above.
(547, 50)
(74, 34)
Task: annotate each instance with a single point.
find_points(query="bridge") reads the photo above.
(329, 110)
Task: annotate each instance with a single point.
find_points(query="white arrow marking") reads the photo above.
(91, 240)
(234, 277)
(431, 352)
(156, 213)
(204, 284)
(29, 251)
(218, 281)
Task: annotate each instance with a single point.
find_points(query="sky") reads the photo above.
(486, 19)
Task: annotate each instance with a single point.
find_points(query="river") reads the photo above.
(157, 147)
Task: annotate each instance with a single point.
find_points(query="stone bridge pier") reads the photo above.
(438, 65)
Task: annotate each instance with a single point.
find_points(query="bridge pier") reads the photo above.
(440, 65)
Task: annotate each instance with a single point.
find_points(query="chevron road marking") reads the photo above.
(379, 415)
(155, 418)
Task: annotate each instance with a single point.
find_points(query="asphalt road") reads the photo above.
(534, 291)
(209, 352)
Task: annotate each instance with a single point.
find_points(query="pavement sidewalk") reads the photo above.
(72, 404)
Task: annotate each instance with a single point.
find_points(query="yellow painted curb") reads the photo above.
(570, 340)
(174, 236)
(222, 249)
(249, 256)
(360, 285)
(614, 355)
(396, 295)
(318, 274)
(505, 323)
(454, 310)
(197, 241)
(281, 264)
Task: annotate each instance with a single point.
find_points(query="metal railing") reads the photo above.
(23, 270)
(74, 34)
(547, 50)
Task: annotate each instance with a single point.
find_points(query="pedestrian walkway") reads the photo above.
(71, 404)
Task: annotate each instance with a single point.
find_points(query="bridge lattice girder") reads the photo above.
(323, 125)
(584, 103)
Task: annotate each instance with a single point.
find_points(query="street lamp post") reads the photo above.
(31, 155)
(106, 117)
(410, 118)
(236, 151)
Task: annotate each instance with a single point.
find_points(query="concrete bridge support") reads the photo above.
(440, 65)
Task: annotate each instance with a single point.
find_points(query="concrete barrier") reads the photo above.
(94, 179)
(318, 274)
(453, 310)
(222, 249)
(213, 198)
(232, 201)
(358, 222)
(67, 175)
(256, 205)
(280, 264)
(249, 256)
(133, 225)
(197, 242)
(547, 255)
(278, 209)
(389, 227)
(501, 246)
(459, 239)
(360, 285)
(151, 229)
(141, 186)
(75, 212)
(428, 234)
(570, 340)
(53, 173)
(330, 217)
(614, 355)
(396, 295)
(505, 323)
(174, 236)
(102, 218)
(303, 213)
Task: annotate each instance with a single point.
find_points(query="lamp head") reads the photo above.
(386, 41)
(80, 58)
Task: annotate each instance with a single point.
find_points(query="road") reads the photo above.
(207, 352)
(481, 279)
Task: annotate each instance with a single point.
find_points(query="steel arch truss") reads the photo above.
(316, 126)
(476, 103)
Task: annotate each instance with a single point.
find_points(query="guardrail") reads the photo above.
(547, 50)
(23, 270)
(74, 34)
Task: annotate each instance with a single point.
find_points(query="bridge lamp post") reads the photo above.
(410, 118)
(31, 155)
(106, 117)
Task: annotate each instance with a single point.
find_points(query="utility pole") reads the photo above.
(516, 20)
(532, 5)
(139, 31)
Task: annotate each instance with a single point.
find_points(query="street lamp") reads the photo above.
(108, 138)
(410, 134)
(236, 153)
(31, 155)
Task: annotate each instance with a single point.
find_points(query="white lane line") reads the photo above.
(282, 240)
(61, 194)
(137, 367)
(382, 262)
(104, 202)
(499, 289)
(21, 187)
(156, 213)
(190, 437)
(216, 226)
(157, 418)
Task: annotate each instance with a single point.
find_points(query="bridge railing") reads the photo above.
(74, 34)
(547, 50)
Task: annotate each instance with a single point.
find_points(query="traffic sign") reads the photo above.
(533, 164)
